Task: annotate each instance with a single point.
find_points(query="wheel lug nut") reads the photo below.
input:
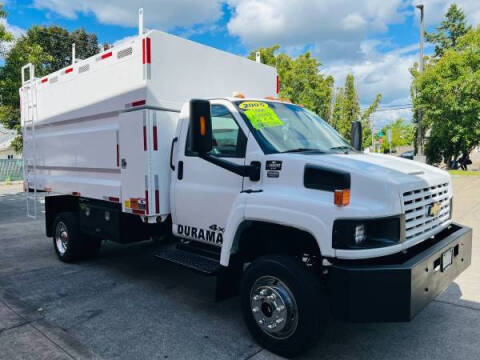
(261, 321)
(263, 292)
(256, 298)
(279, 320)
(280, 308)
(255, 309)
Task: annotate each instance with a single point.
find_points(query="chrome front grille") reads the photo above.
(420, 218)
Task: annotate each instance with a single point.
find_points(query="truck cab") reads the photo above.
(274, 187)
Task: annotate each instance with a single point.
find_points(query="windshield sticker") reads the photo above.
(260, 115)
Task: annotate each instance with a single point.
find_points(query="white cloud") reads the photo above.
(336, 28)
(387, 74)
(163, 14)
(16, 31)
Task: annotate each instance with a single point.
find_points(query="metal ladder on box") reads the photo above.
(28, 118)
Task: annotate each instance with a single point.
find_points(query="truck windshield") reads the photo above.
(282, 128)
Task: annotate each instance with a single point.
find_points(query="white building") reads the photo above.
(6, 149)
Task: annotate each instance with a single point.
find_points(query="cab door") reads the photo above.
(204, 193)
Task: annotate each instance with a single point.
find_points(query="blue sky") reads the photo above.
(376, 40)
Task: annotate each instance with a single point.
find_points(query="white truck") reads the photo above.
(141, 141)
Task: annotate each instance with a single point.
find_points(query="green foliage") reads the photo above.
(403, 133)
(300, 79)
(5, 36)
(49, 49)
(450, 30)
(448, 94)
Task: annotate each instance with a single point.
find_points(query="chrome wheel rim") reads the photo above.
(274, 307)
(61, 237)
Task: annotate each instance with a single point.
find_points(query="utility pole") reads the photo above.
(419, 125)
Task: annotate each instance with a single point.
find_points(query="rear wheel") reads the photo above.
(282, 304)
(69, 242)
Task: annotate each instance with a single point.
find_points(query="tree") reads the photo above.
(300, 79)
(49, 49)
(5, 36)
(337, 112)
(449, 31)
(347, 109)
(366, 123)
(448, 93)
(403, 133)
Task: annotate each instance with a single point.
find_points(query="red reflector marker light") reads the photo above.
(155, 141)
(75, 193)
(44, 80)
(113, 199)
(157, 201)
(146, 201)
(278, 84)
(69, 70)
(139, 103)
(107, 55)
(149, 59)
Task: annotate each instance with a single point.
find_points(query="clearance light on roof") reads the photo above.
(238, 95)
(342, 197)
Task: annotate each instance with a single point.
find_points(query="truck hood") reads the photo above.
(378, 182)
(386, 168)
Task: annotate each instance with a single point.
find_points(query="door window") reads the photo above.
(227, 137)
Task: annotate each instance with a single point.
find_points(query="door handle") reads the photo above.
(171, 153)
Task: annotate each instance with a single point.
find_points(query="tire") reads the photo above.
(69, 242)
(293, 287)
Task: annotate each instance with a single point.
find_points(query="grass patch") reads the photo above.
(464, 173)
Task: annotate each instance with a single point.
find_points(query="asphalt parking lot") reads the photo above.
(126, 304)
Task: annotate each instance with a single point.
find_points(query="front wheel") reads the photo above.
(282, 304)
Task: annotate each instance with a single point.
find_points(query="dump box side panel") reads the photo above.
(78, 157)
(182, 69)
(103, 83)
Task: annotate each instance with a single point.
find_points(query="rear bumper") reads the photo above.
(396, 288)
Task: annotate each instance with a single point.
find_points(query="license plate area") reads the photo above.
(447, 258)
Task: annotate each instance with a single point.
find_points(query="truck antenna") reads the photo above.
(140, 22)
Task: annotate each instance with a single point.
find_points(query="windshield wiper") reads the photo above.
(342, 147)
(318, 151)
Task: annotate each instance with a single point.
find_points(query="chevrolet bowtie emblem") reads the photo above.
(434, 209)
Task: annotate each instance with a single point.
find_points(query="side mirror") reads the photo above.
(200, 126)
(357, 135)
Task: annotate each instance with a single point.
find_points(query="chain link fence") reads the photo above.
(11, 169)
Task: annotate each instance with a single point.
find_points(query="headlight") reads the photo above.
(367, 233)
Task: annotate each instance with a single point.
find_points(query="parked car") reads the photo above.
(408, 154)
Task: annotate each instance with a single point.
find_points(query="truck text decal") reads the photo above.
(200, 234)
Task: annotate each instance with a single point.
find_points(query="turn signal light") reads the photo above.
(202, 126)
(342, 197)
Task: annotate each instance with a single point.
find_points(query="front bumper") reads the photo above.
(396, 288)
